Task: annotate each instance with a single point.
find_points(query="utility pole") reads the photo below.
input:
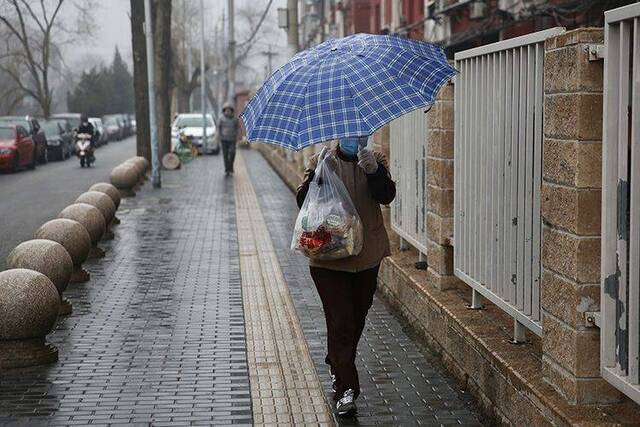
(203, 76)
(269, 54)
(292, 29)
(189, 60)
(153, 128)
(292, 40)
(232, 54)
(396, 12)
(323, 34)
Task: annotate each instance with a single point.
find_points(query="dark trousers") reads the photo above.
(346, 299)
(229, 154)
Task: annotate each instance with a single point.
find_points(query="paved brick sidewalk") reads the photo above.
(189, 322)
(157, 335)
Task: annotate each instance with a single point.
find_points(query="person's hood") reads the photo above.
(228, 105)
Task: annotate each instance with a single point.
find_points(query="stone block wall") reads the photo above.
(439, 192)
(570, 201)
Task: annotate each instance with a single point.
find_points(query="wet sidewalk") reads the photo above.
(201, 315)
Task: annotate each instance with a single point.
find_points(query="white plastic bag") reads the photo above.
(328, 226)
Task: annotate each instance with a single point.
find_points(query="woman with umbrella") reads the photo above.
(344, 90)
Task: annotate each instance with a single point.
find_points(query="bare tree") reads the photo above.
(184, 79)
(29, 51)
(140, 81)
(163, 63)
(256, 28)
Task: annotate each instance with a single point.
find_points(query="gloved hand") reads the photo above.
(367, 161)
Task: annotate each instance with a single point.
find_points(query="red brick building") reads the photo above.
(457, 24)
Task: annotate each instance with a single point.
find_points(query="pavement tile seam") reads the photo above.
(277, 352)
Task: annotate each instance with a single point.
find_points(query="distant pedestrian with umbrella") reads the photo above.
(346, 89)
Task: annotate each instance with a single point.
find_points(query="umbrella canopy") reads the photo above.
(345, 87)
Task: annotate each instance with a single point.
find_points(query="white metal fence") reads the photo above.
(408, 152)
(620, 287)
(498, 174)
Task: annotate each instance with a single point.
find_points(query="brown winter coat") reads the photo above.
(367, 192)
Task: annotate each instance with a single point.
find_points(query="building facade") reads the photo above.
(455, 24)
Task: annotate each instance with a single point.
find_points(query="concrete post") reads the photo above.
(155, 161)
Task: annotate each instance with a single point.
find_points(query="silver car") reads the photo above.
(190, 125)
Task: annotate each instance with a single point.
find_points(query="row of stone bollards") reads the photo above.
(39, 270)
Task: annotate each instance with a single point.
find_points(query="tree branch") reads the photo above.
(257, 28)
(33, 15)
(18, 82)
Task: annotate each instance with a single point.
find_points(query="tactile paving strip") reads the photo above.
(285, 388)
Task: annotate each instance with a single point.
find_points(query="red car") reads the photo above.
(16, 148)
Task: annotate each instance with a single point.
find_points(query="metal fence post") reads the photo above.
(519, 336)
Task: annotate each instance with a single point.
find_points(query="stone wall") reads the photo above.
(571, 214)
(439, 192)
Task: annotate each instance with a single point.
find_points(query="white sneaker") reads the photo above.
(346, 406)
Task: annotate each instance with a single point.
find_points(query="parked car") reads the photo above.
(59, 139)
(191, 126)
(126, 124)
(17, 148)
(72, 118)
(113, 125)
(101, 136)
(37, 134)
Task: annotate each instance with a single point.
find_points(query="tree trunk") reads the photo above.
(183, 100)
(212, 100)
(162, 39)
(140, 81)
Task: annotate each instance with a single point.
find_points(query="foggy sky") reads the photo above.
(113, 29)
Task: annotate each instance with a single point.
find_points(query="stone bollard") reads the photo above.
(144, 162)
(29, 306)
(92, 220)
(132, 162)
(104, 204)
(143, 165)
(110, 191)
(124, 177)
(74, 238)
(49, 258)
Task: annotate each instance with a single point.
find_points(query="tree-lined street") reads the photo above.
(27, 200)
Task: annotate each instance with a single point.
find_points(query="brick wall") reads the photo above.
(571, 213)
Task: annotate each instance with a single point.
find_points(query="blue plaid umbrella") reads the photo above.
(345, 87)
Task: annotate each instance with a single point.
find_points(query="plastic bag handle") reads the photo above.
(317, 178)
(323, 154)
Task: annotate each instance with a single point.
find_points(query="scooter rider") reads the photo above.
(86, 127)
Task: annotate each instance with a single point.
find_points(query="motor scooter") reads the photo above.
(84, 151)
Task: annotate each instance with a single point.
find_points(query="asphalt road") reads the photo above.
(28, 199)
